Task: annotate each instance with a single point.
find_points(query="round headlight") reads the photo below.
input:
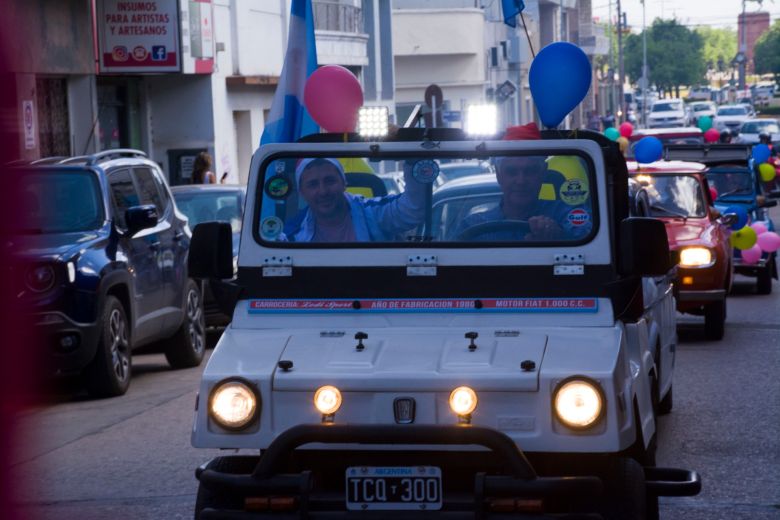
(695, 257)
(40, 278)
(327, 399)
(463, 400)
(578, 403)
(233, 405)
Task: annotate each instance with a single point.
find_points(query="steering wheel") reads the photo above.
(493, 226)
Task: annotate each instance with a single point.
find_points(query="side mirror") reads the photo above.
(729, 219)
(769, 204)
(644, 247)
(211, 251)
(138, 218)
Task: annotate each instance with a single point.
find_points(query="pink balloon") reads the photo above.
(332, 96)
(626, 129)
(769, 241)
(713, 193)
(759, 227)
(711, 135)
(752, 255)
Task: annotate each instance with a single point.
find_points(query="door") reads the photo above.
(144, 261)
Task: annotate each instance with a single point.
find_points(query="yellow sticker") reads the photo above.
(574, 192)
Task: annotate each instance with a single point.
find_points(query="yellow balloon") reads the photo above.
(744, 238)
(623, 142)
(767, 172)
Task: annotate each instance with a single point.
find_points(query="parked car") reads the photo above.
(700, 93)
(105, 251)
(730, 171)
(666, 113)
(751, 129)
(731, 117)
(677, 193)
(356, 366)
(213, 203)
(700, 109)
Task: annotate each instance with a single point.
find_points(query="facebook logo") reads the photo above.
(159, 53)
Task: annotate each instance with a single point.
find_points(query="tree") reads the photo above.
(674, 55)
(718, 46)
(767, 51)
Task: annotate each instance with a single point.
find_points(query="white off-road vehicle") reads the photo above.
(483, 351)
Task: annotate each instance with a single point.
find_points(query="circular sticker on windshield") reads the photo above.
(425, 171)
(271, 227)
(577, 217)
(277, 187)
(574, 192)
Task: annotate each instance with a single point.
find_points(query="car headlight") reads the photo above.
(327, 400)
(578, 403)
(463, 401)
(233, 404)
(40, 278)
(695, 257)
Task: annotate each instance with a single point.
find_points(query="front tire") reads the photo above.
(187, 347)
(108, 374)
(624, 494)
(715, 320)
(666, 404)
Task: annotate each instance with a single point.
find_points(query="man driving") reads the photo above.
(334, 215)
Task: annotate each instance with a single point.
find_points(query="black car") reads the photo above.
(213, 203)
(103, 254)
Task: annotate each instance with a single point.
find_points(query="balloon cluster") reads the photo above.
(761, 154)
(752, 240)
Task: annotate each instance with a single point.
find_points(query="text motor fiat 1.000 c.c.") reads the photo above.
(476, 351)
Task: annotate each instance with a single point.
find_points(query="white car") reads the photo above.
(701, 109)
(455, 363)
(702, 93)
(751, 129)
(731, 117)
(667, 113)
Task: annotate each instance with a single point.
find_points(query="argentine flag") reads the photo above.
(288, 119)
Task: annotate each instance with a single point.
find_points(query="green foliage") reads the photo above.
(767, 51)
(674, 55)
(719, 46)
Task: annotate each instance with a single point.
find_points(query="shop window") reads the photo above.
(53, 120)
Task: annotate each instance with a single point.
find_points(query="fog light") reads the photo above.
(463, 401)
(233, 405)
(687, 280)
(327, 400)
(69, 342)
(578, 403)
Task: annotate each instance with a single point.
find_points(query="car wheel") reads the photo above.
(209, 499)
(108, 374)
(666, 404)
(624, 495)
(186, 347)
(715, 320)
(764, 280)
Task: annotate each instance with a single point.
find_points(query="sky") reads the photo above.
(713, 13)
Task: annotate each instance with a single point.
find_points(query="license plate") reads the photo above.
(399, 488)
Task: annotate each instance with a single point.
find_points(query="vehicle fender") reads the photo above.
(641, 364)
(115, 276)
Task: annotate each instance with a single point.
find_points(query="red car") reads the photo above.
(677, 193)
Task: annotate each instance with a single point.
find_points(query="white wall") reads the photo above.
(82, 110)
(260, 36)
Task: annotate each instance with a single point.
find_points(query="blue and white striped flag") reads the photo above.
(289, 120)
(511, 9)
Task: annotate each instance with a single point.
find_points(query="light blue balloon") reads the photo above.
(559, 78)
(648, 149)
(761, 153)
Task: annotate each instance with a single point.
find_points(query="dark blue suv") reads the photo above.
(102, 252)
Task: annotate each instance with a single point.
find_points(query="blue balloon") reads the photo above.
(559, 78)
(648, 149)
(761, 153)
(742, 217)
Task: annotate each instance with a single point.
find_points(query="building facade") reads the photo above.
(749, 27)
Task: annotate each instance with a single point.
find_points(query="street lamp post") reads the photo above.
(621, 73)
(644, 67)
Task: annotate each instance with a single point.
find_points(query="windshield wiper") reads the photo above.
(731, 192)
(669, 211)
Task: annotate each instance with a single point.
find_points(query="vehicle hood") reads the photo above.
(679, 233)
(731, 119)
(751, 138)
(51, 247)
(412, 361)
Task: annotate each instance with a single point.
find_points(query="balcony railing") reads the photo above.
(334, 16)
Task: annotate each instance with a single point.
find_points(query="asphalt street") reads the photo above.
(130, 457)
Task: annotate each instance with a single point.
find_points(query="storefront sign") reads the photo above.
(138, 36)
(28, 119)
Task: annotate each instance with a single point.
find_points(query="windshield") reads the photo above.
(757, 127)
(701, 107)
(665, 107)
(674, 195)
(730, 181)
(732, 111)
(457, 170)
(535, 199)
(210, 205)
(55, 201)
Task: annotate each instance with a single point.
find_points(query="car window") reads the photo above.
(210, 206)
(730, 181)
(732, 111)
(123, 195)
(148, 189)
(534, 199)
(756, 127)
(166, 199)
(665, 107)
(674, 196)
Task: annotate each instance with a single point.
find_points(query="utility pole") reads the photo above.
(645, 79)
(742, 54)
(621, 73)
(611, 68)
